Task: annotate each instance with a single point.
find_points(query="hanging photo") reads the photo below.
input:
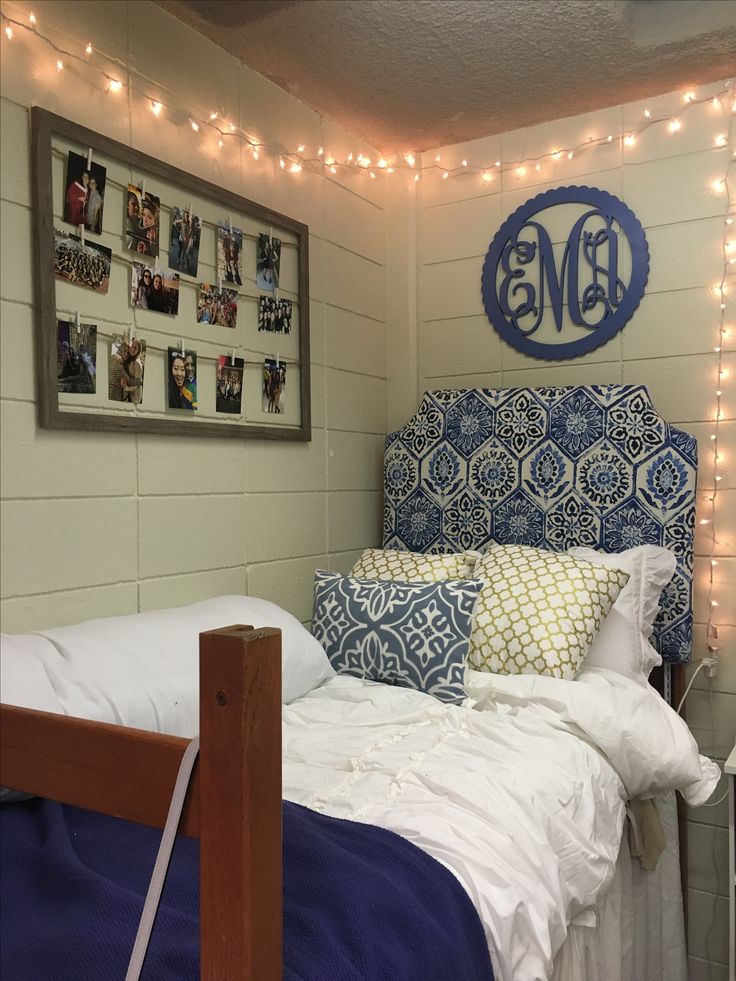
(125, 373)
(182, 379)
(143, 213)
(229, 384)
(274, 383)
(76, 358)
(186, 230)
(85, 193)
(229, 254)
(268, 263)
(154, 289)
(84, 265)
(217, 306)
(274, 315)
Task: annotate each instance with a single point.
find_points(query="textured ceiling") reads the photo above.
(415, 74)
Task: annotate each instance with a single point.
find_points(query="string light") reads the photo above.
(114, 85)
(9, 32)
(194, 124)
(32, 19)
(629, 140)
(59, 65)
(156, 107)
(719, 185)
(88, 49)
(674, 125)
(720, 139)
(300, 148)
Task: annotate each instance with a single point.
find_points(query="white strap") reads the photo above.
(158, 876)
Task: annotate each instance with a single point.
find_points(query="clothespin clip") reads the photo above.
(76, 319)
(81, 234)
(232, 357)
(181, 341)
(89, 158)
(143, 190)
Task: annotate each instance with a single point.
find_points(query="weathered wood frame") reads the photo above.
(233, 804)
(44, 125)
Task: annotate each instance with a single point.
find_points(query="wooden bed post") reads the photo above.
(241, 905)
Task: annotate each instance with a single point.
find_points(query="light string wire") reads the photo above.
(294, 161)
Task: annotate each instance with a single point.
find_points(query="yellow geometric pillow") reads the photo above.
(538, 611)
(396, 566)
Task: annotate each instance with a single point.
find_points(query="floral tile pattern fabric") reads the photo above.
(539, 611)
(548, 467)
(396, 566)
(414, 635)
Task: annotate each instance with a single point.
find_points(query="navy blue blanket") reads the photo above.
(360, 903)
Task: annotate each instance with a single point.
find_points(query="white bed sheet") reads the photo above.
(513, 795)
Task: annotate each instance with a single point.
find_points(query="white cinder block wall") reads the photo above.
(96, 525)
(669, 346)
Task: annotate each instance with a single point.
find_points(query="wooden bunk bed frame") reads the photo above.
(234, 801)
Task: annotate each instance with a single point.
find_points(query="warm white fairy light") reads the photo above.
(321, 151)
(9, 32)
(570, 155)
(382, 163)
(59, 65)
(629, 140)
(720, 139)
(156, 107)
(32, 19)
(688, 97)
(444, 176)
(465, 163)
(719, 185)
(194, 124)
(647, 113)
(213, 116)
(674, 125)
(301, 148)
(282, 163)
(295, 168)
(486, 177)
(410, 159)
(520, 171)
(114, 85)
(556, 154)
(220, 144)
(255, 153)
(88, 49)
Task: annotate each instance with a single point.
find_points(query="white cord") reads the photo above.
(714, 804)
(687, 690)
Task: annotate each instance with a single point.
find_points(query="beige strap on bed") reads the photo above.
(646, 839)
(161, 866)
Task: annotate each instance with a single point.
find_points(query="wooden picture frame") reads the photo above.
(47, 126)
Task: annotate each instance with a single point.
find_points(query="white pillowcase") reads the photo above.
(143, 670)
(622, 643)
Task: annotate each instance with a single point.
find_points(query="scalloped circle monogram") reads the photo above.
(565, 272)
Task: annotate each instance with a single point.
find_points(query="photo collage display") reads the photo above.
(155, 286)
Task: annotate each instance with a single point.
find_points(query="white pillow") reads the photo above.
(622, 643)
(142, 670)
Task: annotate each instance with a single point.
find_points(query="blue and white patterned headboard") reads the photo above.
(551, 467)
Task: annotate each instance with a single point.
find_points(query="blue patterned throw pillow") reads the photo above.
(414, 635)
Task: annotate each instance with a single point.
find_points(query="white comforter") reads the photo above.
(520, 793)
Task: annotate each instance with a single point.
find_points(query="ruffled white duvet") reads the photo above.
(520, 793)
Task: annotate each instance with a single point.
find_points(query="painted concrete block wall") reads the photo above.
(96, 525)
(667, 180)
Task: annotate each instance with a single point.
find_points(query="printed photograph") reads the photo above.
(229, 254)
(76, 358)
(85, 192)
(125, 374)
(154, 289)
(274, 315)
(182, 379)
(217, 306)
(229, 384)
(143, 213)
(85, 265)
(268, 263)
(186, 230)
(274, 383)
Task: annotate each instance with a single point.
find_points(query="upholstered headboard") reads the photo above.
(550, 467)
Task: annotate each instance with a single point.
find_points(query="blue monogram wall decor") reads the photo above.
(561, 303)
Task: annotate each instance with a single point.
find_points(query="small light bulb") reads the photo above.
(114, 85)
(718, 477)
(329, 161)
(629, 140)
(714, 602)
(674, 125)
(88, 49)
(719, 185)
(320, 151)
(648, 114)
(704, 521)
(716, 102)
(610, 138)
(498, 163)
(729, 221)
(350, 157)
(220, 144)
(295, 168)
(556, 154)
(9, 32)
(333, 170)
(487, 177)
(373, 176)
(445, 176)
(720, 139)
(416, 178)
(437, 158)
(156, 107)
(465, 163)
(688, 98)
(300, 148)
(194, 124)
(569, 155)
(520, 171)
(32, 19)
(713, 562)
(389, 170)
(60, 65)
(255, 154)
(213, 116)
(382, 163)
(282, 165)
(410, 159)
(538, 168)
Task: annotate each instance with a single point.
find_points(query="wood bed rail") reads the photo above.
(233, 804)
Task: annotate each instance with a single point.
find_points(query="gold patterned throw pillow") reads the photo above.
(538, 611)
(396, 566)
